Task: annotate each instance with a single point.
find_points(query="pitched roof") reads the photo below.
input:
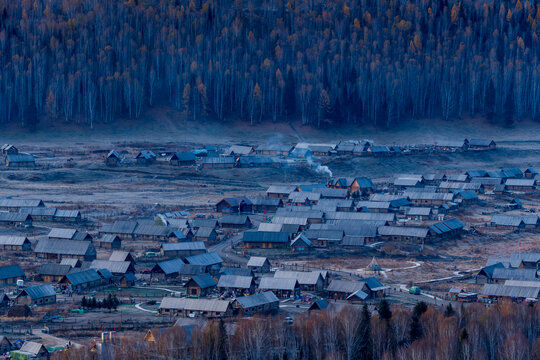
(520, 182)
(303, 277)
(299, 239)
(184, 246)
(265, 236)
(20, 203)
(64, 247)
(83, 277)
(269, 227)
(38, 211)
(255, 300)
(204, 232)
(231, 219)
(118, 255)
(257, 261)
(183, 156)
(511, 291)
(403, 231)
(20, 157)
(62, 213)
(13, 240)
(515, 274)
(31, 347)
(115, 267)
(281, 189)
(13, 217)
(54, 269)
(235, 281)
(205, 281)
(210, 258)
(270, 283)
(11, 271)
(120, 227)
(39, 291)
(345, 286)
(507, 220)
(212, 305)
(170, 266)
(61, 233)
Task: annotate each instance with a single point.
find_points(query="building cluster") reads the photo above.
(15, 159)
(215, 291)
(276, 155)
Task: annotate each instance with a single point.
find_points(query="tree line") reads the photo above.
(377, 62)
(501, 332)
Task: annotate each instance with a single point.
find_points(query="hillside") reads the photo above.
(88, 62)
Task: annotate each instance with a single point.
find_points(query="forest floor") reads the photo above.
(166, 125)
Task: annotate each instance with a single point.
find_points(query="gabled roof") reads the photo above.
(20, 203)
(115, 267)
(331, 193)
(281, 189)
(265, 201)
(64, 213)
(257, 261)
(270, 283)
(332, 235)
(403, 231)
(13, 240)
(83, 277)
(515, 274)
(204, 232)
(266, 237)
(114, 154)
(14, 217)
(108, 238)
(210, 258)
(231, 219)
(188, 269)
(38, 291)
(11, 271)
(507, 220)
(299, 239)
(64, 247)
(345, 286)
(204, 281)
(152, 230)
(183, 156)
(303, 277)
(235, 281)
(33, 348)
(256, 300)
(170, 266)
(146, 154)
(38, 211)
(60, 233)
(118, 255)
(211, 305)
(20, 157)
(120, 227)
(54, 269)
(520, 182)
(184, 246)
(511, 291)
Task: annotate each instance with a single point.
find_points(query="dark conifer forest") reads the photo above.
(375, 62)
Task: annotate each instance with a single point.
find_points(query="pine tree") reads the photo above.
(365, 346)
(384, 310)
(290, 94)
(449, 311)
(84, 302)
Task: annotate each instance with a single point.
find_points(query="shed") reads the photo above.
(37, 295)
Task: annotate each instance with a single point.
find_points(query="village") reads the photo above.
(81, 272)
